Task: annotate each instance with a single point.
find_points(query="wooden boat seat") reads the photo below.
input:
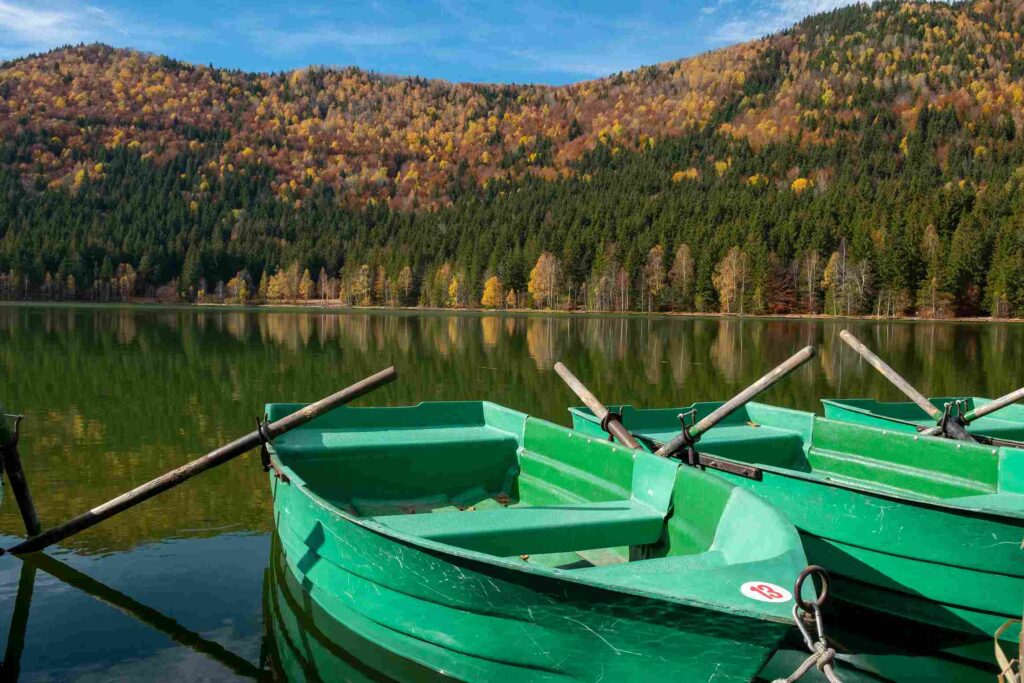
(570, 527)
(313, 443)
(537, 530)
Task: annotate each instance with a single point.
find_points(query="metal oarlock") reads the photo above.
(261, 432)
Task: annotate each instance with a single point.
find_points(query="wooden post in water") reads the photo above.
(11, 460)
(212, 459)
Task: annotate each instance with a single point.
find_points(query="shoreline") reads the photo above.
(323, 305)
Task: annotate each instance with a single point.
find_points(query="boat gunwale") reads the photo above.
(911, 498)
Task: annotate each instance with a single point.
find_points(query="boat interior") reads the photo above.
(844, 453)
(485, 478)
(1007, 423)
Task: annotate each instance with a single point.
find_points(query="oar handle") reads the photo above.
(212, 459)
(738, 401)
(891, 375)
(994, 405)
(613, 426)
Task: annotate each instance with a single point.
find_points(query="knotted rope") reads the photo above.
(822, 655)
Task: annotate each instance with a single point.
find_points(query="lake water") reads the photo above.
(178, 588)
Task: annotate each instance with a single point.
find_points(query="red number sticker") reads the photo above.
(765, 592)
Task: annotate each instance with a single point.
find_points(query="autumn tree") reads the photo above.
(305, 286)
(403, 285)
(493, 296)
(654, 275)
(731, 279)
(680, 277)
(810, 280)
(544, 280)
(847, 283)
(238, 288)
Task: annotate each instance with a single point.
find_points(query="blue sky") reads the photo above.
(459, 40)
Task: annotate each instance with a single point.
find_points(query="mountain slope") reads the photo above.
(865, 160)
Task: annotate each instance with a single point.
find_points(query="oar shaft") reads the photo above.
(738, 401)
(748, 394)
(212, 459)
(614, 426)
(891, 375)
(994, 405)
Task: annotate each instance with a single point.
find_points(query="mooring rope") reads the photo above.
(822, 655)
(821, 658)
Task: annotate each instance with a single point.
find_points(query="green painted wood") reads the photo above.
(912, 525)
(1007, 423)
(408, 525)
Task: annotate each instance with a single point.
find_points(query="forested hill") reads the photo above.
(866, 160)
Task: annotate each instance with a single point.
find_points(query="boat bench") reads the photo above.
(571, 527)
(443, 461)
(537, 530)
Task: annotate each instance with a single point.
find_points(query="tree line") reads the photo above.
(887, 231)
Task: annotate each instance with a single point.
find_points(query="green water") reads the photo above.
(115, 396)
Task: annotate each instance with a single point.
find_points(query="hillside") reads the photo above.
(866, 160)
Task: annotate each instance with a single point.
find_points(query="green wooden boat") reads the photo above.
(1007, 424)
(306, 643)
(921, 527)
(481, 543)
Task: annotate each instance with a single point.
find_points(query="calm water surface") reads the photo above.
(178, 588)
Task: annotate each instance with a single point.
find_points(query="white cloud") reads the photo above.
(772, 16)
(26, 27)
(29, 28)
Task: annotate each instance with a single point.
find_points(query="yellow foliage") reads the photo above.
(493, 295)
(688, 174)
(801, 184)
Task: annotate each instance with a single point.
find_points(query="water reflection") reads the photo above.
(114, 396)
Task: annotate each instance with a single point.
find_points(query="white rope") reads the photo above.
(821, 658)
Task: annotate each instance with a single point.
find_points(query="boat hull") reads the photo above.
(478, 621)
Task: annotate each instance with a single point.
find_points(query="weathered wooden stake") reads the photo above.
(609, 421)
(210, 460)
(16, 475)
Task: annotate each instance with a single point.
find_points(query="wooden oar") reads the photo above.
(610, 422)
(981, 411)
(690, 436)
(953, 428)
(210, 460)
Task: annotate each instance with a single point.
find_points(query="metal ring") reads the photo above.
(820, 600)
(608, 418)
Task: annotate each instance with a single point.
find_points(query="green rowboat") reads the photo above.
(306, 643)
(482, 543)
(1007, 424)
(925, 528)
